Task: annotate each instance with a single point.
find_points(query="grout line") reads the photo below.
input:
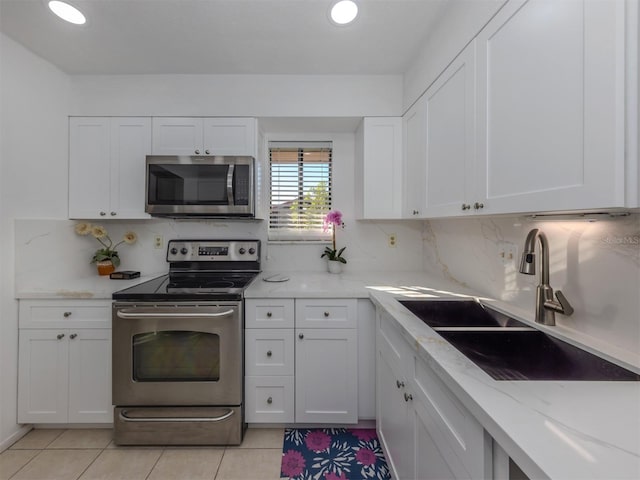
(30, 460)
(215, 475)
(156, 462)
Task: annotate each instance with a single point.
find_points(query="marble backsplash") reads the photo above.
(596, 264)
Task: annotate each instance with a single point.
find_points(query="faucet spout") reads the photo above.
(546, 304)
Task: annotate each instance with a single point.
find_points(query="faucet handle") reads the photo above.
(567, 309)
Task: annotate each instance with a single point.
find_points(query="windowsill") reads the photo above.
(299, 242)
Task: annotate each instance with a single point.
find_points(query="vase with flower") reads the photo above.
(106, 258)
(332, 220)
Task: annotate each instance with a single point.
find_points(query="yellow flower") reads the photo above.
(98, 231)
(83, 228)
(130, 237)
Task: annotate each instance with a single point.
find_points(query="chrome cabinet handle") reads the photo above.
(67, 314)
(301, 336)
(407, 397)
(207, 152)
(326, 314)
(478, 205)
(113, 214)
(73, 335)
(102, 214)
(269, 353)
(269, 400)
(197, 152)
(466, 206)
(415, 212)
(269, 314)
(60, 336)
(399, 384)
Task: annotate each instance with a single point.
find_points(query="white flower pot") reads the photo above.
(333, 266)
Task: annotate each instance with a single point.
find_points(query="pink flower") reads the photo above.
(292, 463)
(334, 217)
(317, 441)
(365, 457)
(333, 476)
(364, 434)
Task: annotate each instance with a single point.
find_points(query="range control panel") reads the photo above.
(213, 251)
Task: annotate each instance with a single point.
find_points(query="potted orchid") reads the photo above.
(332, 220)
(105, 258)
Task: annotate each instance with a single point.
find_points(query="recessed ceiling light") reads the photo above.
(344, 11)
(67, 12)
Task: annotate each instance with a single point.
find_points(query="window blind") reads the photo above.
(300, 190)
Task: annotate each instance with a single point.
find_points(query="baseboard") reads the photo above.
(17, 435)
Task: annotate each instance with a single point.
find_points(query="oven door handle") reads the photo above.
(128, 313)
(230, 184)
(123, 417)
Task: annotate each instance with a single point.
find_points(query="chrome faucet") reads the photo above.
(546, 305)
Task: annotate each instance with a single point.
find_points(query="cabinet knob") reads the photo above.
(416, 212)
(301, 336)
(478, 205)
(407, 397)
(326, 314)
(67, 314)
(102, 214)
(206, 152)
(197, 152)
(73, 335)
(269, 353)
(399, 384)
(269, 400)
(269, 314)
(60, 336)
(466, 206)
(113, 214)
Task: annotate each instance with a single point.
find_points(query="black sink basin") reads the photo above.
(532, 355)
(458, 313)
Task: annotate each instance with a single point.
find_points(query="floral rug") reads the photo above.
(333, 454)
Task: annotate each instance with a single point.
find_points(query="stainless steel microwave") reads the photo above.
(196, 186)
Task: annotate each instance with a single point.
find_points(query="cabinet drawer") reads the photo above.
(455, 424)
(326, 313)
(269, 352)
(269, 313)
(269, 399)
(65, 314)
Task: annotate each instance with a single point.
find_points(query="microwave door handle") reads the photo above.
(230, 184)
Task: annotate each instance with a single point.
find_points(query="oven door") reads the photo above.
(177, 354)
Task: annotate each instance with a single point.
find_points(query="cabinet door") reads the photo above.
(177, 136)
(230, 136)
(130, 143)
(43, 376)
(392, 420)
(89, 167)
(450, 157)
(326, 376)
(378, 182)
(90, 376)
(414, 125)
(551, 106)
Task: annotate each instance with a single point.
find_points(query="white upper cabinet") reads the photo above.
(107, 167)
(204, 136)
(414, 127)
(450, 139)
(551, 107)
(378, 179)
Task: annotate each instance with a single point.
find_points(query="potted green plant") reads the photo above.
(106, 258)
(334, 256)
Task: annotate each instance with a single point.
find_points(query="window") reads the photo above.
(300, 190)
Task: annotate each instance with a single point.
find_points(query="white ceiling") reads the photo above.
(223, 36)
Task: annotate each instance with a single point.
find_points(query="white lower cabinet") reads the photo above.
(64, 370)
(301, 361)
(424, 429)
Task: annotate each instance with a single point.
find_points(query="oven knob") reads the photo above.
(174, 251)
(241, 251)
(252, 250)
(184, 250)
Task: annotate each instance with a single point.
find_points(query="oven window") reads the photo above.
(176, 356)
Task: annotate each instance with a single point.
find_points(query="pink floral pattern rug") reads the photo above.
(333, 454)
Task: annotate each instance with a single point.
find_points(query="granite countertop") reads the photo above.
(552, 429)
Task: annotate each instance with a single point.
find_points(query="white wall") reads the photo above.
(34, 99)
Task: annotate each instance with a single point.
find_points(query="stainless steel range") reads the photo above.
(178, 347)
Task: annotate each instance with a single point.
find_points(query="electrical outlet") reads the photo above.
(392, 240)
(157, 241)
(507, 252)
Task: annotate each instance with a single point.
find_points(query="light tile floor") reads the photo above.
(90, 454)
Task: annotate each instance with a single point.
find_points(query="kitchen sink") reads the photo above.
(532, 355)
(458, 313)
